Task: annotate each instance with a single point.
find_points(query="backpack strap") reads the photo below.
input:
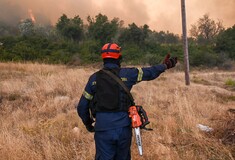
(121, 83)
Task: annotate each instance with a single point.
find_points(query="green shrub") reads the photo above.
(152, 59)
(89, 51)
(230, 82)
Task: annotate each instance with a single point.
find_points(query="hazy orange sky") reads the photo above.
(158, 14)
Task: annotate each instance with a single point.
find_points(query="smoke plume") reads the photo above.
(158, 14)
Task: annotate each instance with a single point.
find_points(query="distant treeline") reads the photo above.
(71, 41)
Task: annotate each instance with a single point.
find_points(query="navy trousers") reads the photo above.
(113, 144)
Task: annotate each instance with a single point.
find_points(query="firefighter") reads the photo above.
(109, 103)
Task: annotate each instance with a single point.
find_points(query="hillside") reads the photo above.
(38, 117)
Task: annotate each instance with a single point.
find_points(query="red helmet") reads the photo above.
(111, 50)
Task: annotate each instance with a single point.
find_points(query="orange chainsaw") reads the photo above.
(139, 120)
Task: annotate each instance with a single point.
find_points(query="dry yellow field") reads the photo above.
(38, 117)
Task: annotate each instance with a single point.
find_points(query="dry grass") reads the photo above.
(38, 115)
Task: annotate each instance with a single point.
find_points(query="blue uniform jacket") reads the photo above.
(112, 120)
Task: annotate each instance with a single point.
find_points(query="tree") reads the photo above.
(206, 30)
(26, 27)
(164, 37)
(62, 22)
(226, 42)
(70, 28)
(134, 34)
(101, 29)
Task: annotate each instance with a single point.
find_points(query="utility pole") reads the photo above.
(185, 43)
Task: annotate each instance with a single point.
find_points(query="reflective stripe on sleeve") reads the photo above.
(87, 95)
(124, 79)
(140, 75)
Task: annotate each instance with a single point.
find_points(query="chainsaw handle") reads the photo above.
(144, 118)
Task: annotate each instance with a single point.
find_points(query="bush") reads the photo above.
(59, 56)
(132, 53)
(152, 59)
(89, 51)
(230, 82)
(203, 56)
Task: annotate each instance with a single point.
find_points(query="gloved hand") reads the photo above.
(89, 125)
(90, 128)
(169, 61)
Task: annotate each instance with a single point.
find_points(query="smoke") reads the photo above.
(158, 14)
(217, 10)
(130, 11)
(44, 11)
(166, 15)
(10, 13)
